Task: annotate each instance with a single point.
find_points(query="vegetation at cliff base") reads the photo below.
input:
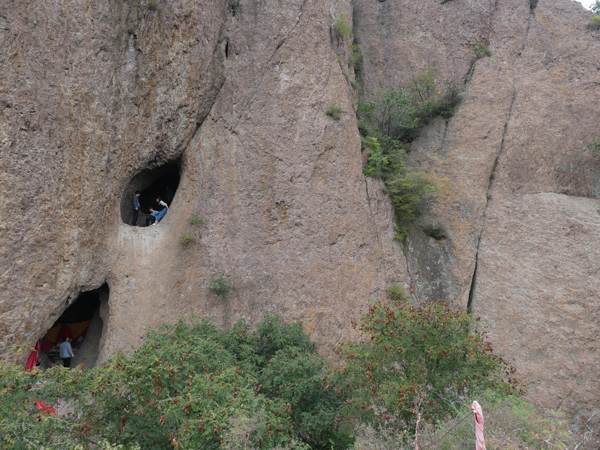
(191, 385)
(419, 360)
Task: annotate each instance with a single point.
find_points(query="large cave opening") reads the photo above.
(82, 323)
(154, 185)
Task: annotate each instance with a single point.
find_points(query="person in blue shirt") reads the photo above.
(159, 214)
(135, 206)
(66, 352)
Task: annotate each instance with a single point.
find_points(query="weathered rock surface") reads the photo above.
(93, 94)
(538, 269)
(527, 113)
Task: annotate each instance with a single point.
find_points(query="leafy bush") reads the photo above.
(355, 85)
(397, 293)
(594, 24)
(185, 238)
(392, 119)
(376, 161)
(341, 27)
(400, 114)
(596, 7)
(178, 390)
(334, 111)
(533, 4)
(355, 55)
(196, 220)
(221, 286)
(481, 50)
(419, 360)
(188, 386)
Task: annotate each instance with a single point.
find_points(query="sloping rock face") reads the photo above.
(519, 198)
(235, 92)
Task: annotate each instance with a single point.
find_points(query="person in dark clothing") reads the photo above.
(66, 352)
(135, 205)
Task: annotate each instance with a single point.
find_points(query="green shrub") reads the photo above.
(355, 55)
(221, 286)
(533, 4)
(393, 119)
(196, 220)
(419, 360)
(400, 232)
(594, 24)
(341, 27)
(152, 4)
(397, 293)
(481, 50)
(400, 114)
(346, 75)
(185, 239)
(596, 7)
(188, 386)
(355, 85)
(594, 147)
(376, 161)
(436, 232)
(334, 111)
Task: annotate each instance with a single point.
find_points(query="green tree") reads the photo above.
(189, 386)
(419, 360)
(284, 362)
(596, 7)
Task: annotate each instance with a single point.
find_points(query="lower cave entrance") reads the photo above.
(161, 182)
(82, 323)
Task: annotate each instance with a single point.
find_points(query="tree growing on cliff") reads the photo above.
(389, 122)
(419, 360)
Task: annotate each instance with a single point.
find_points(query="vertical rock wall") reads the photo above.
(90, 93)
(519, 198)
(95, 94)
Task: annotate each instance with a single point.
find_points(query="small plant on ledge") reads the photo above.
(221, 286)
(481, 50)
(341, 27)
(196, 220)
(594, 23)
(334, 111)
(185, 239)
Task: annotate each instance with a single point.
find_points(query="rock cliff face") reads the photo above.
(93, 94)
(519, 197)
